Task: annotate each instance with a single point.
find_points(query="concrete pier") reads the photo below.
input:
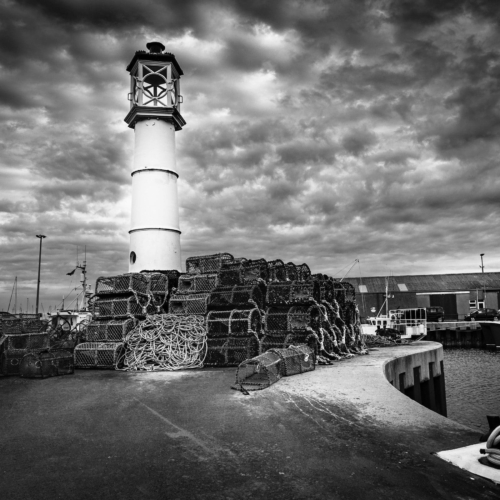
(484, 334)
(340, 432)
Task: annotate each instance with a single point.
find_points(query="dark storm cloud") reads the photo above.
(317, 131)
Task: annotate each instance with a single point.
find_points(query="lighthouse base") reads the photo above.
(154, 249)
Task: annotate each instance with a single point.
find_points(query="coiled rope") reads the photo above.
(165, 342)
(492, 453)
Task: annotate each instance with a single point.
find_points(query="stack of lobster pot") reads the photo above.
(193, 291)
(119, 303)
(293, 314)
(340, 328)
(235, 318)
(20, 335)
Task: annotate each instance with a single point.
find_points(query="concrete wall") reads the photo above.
(420, 376)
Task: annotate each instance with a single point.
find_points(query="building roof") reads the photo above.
(148, 56)
(428, 283)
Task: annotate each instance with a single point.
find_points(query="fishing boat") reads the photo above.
(408, 323)
(69, 322)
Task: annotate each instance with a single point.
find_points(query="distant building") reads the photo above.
(456, 293)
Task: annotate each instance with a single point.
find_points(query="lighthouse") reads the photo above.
(155, 117)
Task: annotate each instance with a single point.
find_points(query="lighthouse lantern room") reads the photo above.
(155, 116)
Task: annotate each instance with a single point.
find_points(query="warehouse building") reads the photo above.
(458, 294)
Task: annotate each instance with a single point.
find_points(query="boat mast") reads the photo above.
(386, 297)
(83, 268)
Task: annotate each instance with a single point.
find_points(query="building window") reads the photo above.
(480, 304)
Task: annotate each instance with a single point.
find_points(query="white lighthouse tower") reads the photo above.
(155, 115)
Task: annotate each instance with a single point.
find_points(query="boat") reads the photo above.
(408, 323)
(66, 324)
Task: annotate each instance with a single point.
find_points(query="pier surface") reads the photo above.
(339, 432)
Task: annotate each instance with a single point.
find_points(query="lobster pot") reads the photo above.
(98, 354)
(159, 284)
(303, 271)
(255, 271)
(235, 323)
(279, 321)
(326, 291)
(242, 295)
(292, 292)
(207, 263)
(197, 283)
(122, 307)
(10, 363)
(47, 364)
(291, 272)
(339, 294)
(34, 325)
(350, 291)
(317, 315)
(218, 323)
(231, 273)
(259, 372)
(122, 284)
(21, 344)
(10, 326)
(196, 303)
(243, 323)
(237, 297)
(273, 342)
(221, 297)
(230, 351)
(276, 270)
(114, 330)
(296, 359)
(159, 302)
(288, 339)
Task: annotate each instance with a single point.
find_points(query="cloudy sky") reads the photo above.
(317, 131)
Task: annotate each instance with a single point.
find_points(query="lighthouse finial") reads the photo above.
(155, 47)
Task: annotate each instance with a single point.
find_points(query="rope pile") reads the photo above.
(166, 342)
(372, 341)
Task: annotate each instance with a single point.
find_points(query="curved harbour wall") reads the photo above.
(420, 376)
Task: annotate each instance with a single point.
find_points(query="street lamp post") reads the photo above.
(41, 236)
(481, 266)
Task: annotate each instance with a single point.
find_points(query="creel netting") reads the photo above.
(292, 292)
(264, 370)
(207, 263)
(197, 283)
(98, 354)
(244, 296)
(234, 323)
(230, 351)
(276, 270)
(122, 307)
(130, 283)
(20, 344)
(114, 330)
(196, 303)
